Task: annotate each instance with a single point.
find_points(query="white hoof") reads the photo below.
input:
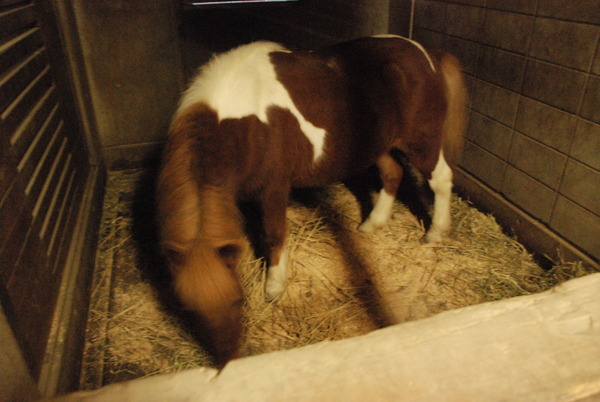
(372, 225)
(432, 237)
(274, 290)
(276, 278)
(367, 227)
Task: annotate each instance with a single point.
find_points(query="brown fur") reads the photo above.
(456, 94)
(370, 95)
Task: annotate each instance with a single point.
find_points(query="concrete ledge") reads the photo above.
(543, 347)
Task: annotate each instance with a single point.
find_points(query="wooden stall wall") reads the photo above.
(304, 24)
(138, 55)
(532, 154)
(130, 58)
(46, 175)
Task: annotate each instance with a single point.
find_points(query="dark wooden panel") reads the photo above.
(44, 166)
(38, 155)
(38, 115)
(34, 153)
(79, 173)
(13, 252)
(33, 295)
(27, 186)
(8, 170)
(51, 187)
(45, 208)
(6, 3)
(35, 188)
(19, 48)
(20, 77)
(21, 107)
(15, 221)
(15, 142)
(16, 19)
(34, 270)
(10, 209)
(59, 228)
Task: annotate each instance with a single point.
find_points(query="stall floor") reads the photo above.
(343, 283)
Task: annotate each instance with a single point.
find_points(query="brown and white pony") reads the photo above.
(260, 120)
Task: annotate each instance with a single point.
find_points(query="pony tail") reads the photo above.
(456, 113)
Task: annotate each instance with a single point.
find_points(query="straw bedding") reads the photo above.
(342, 282)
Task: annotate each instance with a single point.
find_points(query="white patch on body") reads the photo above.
(441, 184)
(277, 277)
(417, 44)
(243, 82)
(380, 214)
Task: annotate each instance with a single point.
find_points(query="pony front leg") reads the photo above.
(274, 204)
(277, 275)
(441, 184)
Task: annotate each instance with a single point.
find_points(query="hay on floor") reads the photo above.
(342, 283)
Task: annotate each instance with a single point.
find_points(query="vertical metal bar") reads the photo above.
(412, 19)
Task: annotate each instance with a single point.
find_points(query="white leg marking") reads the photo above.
(277, 277)
(441, 184)
(380, 214)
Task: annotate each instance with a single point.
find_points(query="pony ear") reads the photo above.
(230, 254)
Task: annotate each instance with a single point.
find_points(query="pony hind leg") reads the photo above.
(391, 176)
(454, 126)
(441, 184)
